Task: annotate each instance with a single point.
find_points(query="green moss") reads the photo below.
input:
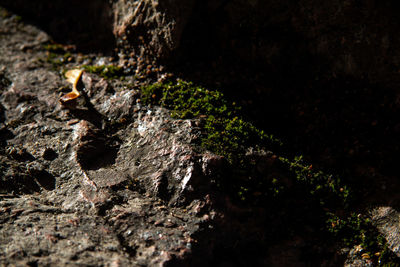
(57, 55)
(227, 133)
(4, 13)
(357, 230)
(230, 137)
(328, 190)
(186, 100)
(54, 48)
(105, 71)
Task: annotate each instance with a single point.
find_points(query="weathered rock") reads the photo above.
(387, 220)
(76, 189)
(86, 24)
(150, 27)
(281, 37)
(117, 183)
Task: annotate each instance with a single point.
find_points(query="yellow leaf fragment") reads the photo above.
(69, 96)
(73, 77)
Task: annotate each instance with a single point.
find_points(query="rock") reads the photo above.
(108, 181)
(387, 220)
(78, 190)
(150, 27)
(295, 39)
(91, 20)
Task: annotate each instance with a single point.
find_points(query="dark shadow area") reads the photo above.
(4, 82)
(344, 124)
(5, 134)
(96, 153)
(45, 179)
(49, 154)
(19, 184)
(20, 154)
(97, 149)
(88, 113)
(86, 24)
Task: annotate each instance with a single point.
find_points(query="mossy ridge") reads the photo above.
(106, 71)
(58, 55)
(358, 229)
(226, 133)
(350, 229)
(229, 135)
(330, 191)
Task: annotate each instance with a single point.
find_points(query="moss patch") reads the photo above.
(226, 133)
(57, 55)
(298, 188)
(105, 71)
(4, 13)
(357, 229)
(327, 189)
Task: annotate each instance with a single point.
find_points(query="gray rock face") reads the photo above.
(75, 190)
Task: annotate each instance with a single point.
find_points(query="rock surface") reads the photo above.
(334, 39)
(387, 220)
(108, 181)
(150, 27)
(76, 191)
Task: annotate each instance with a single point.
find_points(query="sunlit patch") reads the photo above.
(73, 77)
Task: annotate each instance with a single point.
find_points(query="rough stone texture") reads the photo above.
(331, 39)
(87, 24)
(387, 220)
(150, 27)
(108, 181)
(76, 191)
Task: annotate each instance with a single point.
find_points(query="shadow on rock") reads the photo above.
(86, 24)
(44, 179)
(5, 134)
(95, 154)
